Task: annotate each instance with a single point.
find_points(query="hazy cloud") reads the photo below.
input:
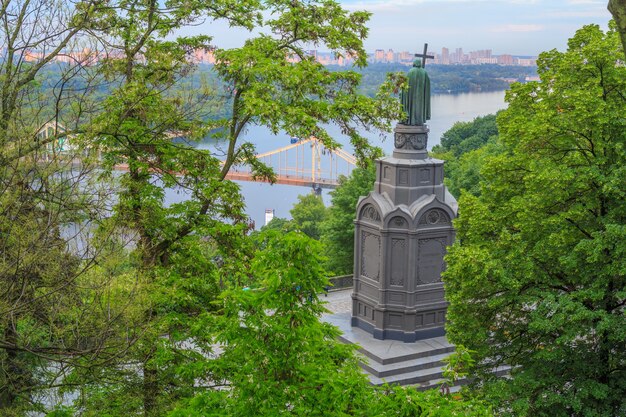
(591, 13)
(577, 2)
(517, 28)
(395, 5)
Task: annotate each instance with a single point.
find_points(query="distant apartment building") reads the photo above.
(293, 58)
(405, 57)
(390, 56)
(480, 54)
(458, 56)
(204, 56)
(84, 57)
(323, 58)
(527, 62)
(350, 58)
(32, 56)
(505, 59)
(327, 58)
(445, 56)
(88, 57)
(481, 61)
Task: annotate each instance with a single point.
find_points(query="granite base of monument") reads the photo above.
(402, 230)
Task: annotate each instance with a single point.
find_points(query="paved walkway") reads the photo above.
(339, 301)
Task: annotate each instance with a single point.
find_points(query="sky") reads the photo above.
(517, 27)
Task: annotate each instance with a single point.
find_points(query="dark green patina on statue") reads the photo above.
(416, 98)
(411, 134)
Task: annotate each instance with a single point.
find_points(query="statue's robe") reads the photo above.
(416, 99)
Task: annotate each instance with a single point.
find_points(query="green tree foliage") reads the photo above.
(465, 173)
(338, 228)
(51, 303)
(177, 248)
(308, 214)
(171, 252)
(274, 82)
(120, 325)
(536, 278)
(464, 137)
(279, 224)
(409, 402)
(278, 358)
(464, 148)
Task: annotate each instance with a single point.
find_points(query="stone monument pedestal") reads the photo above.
(402, 230)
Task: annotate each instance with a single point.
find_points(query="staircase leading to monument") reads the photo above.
(423, 369)
(395, 362)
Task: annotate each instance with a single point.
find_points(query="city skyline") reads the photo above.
(447, 56)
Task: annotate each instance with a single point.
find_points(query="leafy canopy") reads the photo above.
(338, 227)
(279, 358)
(536, 278)
(308, 214)
(465, 147)
(185, 252)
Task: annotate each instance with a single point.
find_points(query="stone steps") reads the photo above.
(386, 371)
(424, 369)
(390, 361)
(428, 377)
(400, 352)
(419, 363)
(420, 377)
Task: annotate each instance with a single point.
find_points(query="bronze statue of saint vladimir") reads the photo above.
(416, 98)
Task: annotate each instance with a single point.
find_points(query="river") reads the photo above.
(447, 109)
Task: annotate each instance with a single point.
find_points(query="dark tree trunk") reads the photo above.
(618, 10)
(150, 390)
(15, 375)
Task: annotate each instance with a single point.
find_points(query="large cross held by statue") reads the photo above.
(424, 56)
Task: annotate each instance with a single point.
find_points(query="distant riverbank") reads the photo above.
(450, 79)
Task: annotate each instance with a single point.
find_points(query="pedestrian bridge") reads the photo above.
(306, 162)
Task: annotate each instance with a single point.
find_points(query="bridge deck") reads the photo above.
(286, 179)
